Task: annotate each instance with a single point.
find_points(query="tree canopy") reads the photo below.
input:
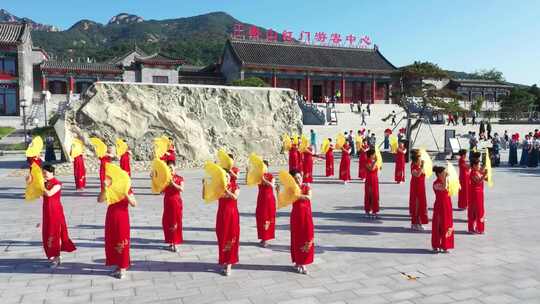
(491, 74)
(423, 70)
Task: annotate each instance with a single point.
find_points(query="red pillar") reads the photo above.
(298, 85)
(354, 96)
(43, 83)
(363, 92)
(324, 88)
(373, 90)
(332, 88)
(274, 79)
(342, 89)
(308, 87)
(71, 85)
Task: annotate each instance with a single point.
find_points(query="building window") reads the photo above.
(8, 102)
(160, 79)
(8, 66)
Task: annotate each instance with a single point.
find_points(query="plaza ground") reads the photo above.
(357, 260)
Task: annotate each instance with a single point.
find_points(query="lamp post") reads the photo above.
(23, 107)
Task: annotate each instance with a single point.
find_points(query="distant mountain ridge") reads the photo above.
(6, 16)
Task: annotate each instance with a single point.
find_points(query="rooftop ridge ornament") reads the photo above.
(241, 31)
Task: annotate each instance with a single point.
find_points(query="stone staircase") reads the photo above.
(311, 113)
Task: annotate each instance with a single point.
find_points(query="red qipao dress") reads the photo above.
(464, 177)
(125, 163)
(442, 229)
(371, 189)
(345, 164)
(54, 229)
(293, 158)
(234, 177)
(475, 212)
(329, 162)
(35, 159)
(102, 162)
(417, 196)
(300, 164)
(362, 161)
(302, 231)
(399, 172)
(228, 228)
(172, 213)
(265, 213)
(308, 165)
(79, 172)
(117, 236)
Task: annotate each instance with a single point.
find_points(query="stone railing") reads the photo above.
(311, 115)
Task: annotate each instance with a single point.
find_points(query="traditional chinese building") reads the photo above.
(17, 58)
(472, 89)
(360, 74)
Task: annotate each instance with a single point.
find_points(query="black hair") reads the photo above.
(329, 139)
(462, 152)
(48, 167)
(370, 152)
(476, 155)
(475, 161)
(171, 162)
(293, 172)
(415, 156)
(231, 156)
(438, 169)
(266, 162)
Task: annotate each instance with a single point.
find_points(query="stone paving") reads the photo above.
(357, 260)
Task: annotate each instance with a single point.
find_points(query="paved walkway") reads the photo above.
(357, 260)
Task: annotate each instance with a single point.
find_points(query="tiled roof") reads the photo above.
(481, 83)
(159, 58)
(81, 67)
(308, 56)
(13, 33)
(138, 52)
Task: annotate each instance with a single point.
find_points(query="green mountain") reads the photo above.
(198, 39)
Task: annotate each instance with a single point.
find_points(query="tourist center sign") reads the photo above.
(251, 32)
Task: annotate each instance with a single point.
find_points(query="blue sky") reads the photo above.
(462, 35)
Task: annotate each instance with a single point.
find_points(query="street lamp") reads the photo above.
(24, 104)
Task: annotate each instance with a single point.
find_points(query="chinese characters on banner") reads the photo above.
(251, 32)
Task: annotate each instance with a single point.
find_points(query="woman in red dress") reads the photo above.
(302, 229)
(464, 173)
(228, 227)
(172, 210)
(117, 235)
(234, 172)
(265, 213)
(371, 188)
(308, 165)
(329, 156)
(442, 231)
(54, 229)
(125, 162)
(417, 194)
(362, 161)
(107, 158)
(293, 157)
(399, 172)
(345, 163)
(475, 212)
(79, 172)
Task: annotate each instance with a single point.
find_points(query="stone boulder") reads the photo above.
(200, 119)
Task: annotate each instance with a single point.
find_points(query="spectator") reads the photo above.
(363, 123)
(313, 140)
(369, 109)
(393, 123)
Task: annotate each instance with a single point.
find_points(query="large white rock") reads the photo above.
(201, 119)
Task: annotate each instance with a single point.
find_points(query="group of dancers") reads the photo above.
(469, 184)
(117, 228)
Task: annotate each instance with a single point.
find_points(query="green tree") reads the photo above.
(477, 104)
(491, 74)
(249, 82)
(516, 103)
(534, 90)
(423, 70)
